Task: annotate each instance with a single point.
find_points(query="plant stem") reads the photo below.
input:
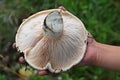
(12, 71)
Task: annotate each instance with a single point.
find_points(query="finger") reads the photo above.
(23, 20)
(14, 45)
(90, 40)
(43, 72)
(62, 8)
(22, 60)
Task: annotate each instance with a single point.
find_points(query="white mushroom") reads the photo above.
(52, 39)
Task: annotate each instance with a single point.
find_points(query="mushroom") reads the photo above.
(52, 39)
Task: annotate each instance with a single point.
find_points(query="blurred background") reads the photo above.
(101, 18)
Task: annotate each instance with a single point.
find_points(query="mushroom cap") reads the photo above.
(57, 54)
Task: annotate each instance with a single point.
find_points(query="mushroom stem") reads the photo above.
(53, 25)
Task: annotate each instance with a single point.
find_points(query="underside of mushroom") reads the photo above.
(52, 39)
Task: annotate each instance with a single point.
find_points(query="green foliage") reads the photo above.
(38, 78)
(2, 77)
(101, 18)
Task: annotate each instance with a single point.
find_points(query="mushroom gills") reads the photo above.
(52, 40)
